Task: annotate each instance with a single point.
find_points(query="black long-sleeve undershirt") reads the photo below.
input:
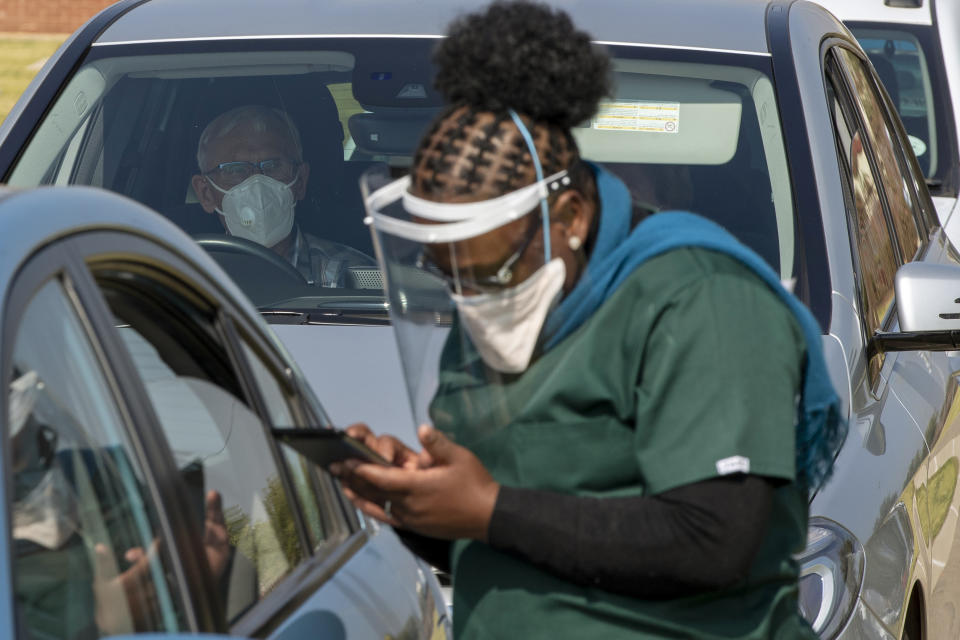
(692, 539)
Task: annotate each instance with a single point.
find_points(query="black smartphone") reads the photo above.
(326, 446)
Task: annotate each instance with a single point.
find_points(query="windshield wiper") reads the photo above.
(281, 316)
(375, 315)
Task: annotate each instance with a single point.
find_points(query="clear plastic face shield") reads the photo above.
(469, 285)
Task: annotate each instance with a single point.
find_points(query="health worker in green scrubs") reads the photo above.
(617, 448)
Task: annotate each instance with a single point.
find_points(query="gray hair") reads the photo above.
(260, 118)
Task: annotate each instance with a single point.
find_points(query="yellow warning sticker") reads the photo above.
(638, 115)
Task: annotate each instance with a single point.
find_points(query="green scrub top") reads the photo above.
(689, 371)
(53, 589)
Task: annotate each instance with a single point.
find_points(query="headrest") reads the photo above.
(888, 76)
(390, 132)
(304, 97)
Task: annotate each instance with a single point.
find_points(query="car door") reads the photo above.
(904, 394)
(300, 560)
(924, 381)
(278, 549)
(90, 552)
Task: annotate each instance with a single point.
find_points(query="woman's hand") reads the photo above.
(443, 491)
(135, 586)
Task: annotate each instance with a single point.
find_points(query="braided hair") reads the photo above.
(517, 55)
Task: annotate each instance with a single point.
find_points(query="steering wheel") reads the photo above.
(215, 243)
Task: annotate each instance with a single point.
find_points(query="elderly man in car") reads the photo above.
(252, 175)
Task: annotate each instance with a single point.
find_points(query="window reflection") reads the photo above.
(302, 471)
(88, 559)
(248, 528)
(896, 188)
(877, 259)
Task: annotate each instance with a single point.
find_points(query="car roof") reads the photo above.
(678, 23)
(33, 218)
(877, 11)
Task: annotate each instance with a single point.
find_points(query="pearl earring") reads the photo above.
(575, 242)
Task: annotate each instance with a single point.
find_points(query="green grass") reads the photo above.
(21, 56)
(346, 104)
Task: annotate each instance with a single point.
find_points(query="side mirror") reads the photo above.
(928, 297)
(928, 307)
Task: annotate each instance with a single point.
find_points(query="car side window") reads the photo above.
(896, 185)
(218, 440)
(873, 246)
(88, 557)
(873, 252)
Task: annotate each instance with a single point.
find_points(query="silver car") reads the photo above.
(764, 115)
(144, 490)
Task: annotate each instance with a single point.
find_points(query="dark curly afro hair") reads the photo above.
(523, 56)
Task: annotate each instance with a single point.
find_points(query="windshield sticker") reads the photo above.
(919, 146)
(638, 115)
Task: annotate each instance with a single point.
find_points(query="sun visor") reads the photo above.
(663, 120)
(391, 132)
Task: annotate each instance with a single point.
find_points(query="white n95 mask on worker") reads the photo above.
(505, 326)
(259, 209)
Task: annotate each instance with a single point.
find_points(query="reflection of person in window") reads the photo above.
(53, 574)
(68, 580)
(252, 174)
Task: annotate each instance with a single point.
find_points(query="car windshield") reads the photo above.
(910, 68)
(693, 130)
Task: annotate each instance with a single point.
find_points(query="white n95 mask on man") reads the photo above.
(505, 326)
(259, 209)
